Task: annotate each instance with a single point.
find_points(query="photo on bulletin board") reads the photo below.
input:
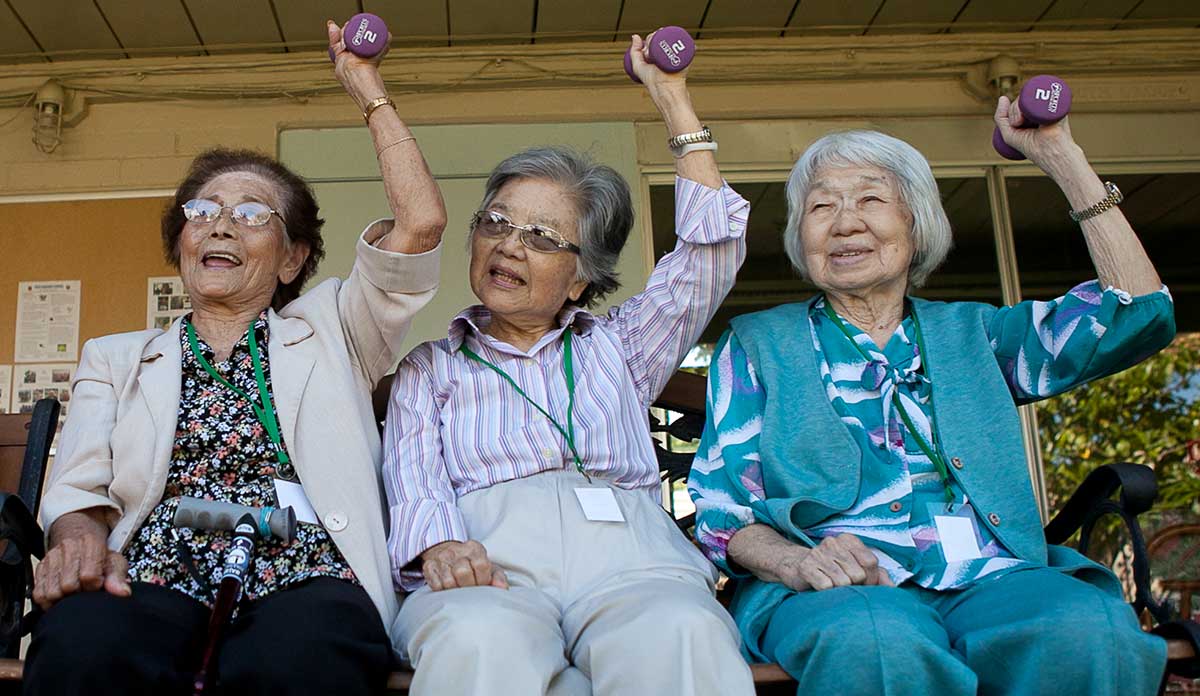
(166, 301)
(31, 383)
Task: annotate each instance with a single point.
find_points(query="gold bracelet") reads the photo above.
(1107, 203)
(375, 104)
(401, 140)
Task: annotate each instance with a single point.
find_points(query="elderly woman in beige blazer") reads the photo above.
(260, 397)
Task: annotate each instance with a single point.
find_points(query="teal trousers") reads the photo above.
(1034, 631)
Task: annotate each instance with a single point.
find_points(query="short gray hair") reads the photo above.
(918, 191)
(603, 209)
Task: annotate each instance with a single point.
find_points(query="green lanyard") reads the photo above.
(933, 451)
(568, 433)
(265, 412)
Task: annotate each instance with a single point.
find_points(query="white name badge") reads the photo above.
(957, 536)
(599, 504)
(291, 494)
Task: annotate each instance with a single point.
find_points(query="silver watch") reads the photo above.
(704, 135)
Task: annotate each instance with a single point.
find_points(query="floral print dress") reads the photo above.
(222, 452)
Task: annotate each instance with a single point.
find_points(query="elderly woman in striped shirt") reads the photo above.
(518, 462)
(862, 470)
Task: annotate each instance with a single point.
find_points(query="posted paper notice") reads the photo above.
(47, 321)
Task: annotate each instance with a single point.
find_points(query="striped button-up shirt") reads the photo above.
(455, 426)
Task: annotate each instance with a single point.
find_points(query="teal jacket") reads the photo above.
(811, 466)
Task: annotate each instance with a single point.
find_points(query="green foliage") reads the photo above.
(1148, 414)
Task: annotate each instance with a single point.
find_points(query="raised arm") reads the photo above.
(413, 195)
(670, 95)
(661, 323)
(1120, 260)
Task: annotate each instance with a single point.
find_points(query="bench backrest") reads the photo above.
(25, 440)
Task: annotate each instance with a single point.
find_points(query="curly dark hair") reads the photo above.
(299, 208)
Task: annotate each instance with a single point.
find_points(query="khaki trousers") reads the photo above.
(594, 607)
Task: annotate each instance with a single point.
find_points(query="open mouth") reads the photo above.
(505, 277)
(220, 259)
(849, 255)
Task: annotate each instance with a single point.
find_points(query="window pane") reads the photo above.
(971, 271)
(1145, 415)
(1164, 210)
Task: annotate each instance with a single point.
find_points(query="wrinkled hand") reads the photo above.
(1045, 146)
(453, 564)
(79, 564)
(650, 74)
(835, 562)
(359, 76)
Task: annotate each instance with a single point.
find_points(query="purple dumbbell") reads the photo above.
(671, 49)
(365, 36)
(1044, 99)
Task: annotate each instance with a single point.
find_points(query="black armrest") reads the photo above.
(24, 539)
(1188, 632)
(20, 529)
(1092, 500)
(1138, 491)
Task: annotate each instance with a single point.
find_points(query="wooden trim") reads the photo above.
(684, 392)
(14, 429)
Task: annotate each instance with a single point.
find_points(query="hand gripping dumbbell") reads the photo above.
(365, 36)
(1044, 99)
(670, 48)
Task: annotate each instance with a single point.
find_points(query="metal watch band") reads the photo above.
(704, 135)
(1110, 201)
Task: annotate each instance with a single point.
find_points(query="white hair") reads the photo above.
(918, 191)
(604, 209)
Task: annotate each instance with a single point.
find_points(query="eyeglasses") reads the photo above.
(537, 237)
(250, 213)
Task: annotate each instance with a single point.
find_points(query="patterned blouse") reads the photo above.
(222, 452)
(901, 489)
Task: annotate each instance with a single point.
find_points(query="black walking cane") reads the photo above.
(247, 524)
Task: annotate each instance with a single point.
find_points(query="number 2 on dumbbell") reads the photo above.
(365, 36)
(1044, 99)
(670, 48)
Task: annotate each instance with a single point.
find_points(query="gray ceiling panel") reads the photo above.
(598, 18)
(150, 24)
(67, 25)
(412, 22)
(643, 16)
(833, 17)
(223, 22)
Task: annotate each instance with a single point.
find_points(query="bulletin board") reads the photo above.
(112, 246)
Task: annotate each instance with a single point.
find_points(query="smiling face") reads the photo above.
(233, 266)
(516, 283)
(856, 232)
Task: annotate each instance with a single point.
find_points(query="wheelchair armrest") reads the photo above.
(19, 528)
(1138, 491)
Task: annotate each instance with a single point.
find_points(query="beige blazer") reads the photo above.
(327, 351)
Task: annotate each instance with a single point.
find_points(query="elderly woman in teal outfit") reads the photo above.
(862, 472)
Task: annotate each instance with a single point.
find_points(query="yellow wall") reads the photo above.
(106, 244)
